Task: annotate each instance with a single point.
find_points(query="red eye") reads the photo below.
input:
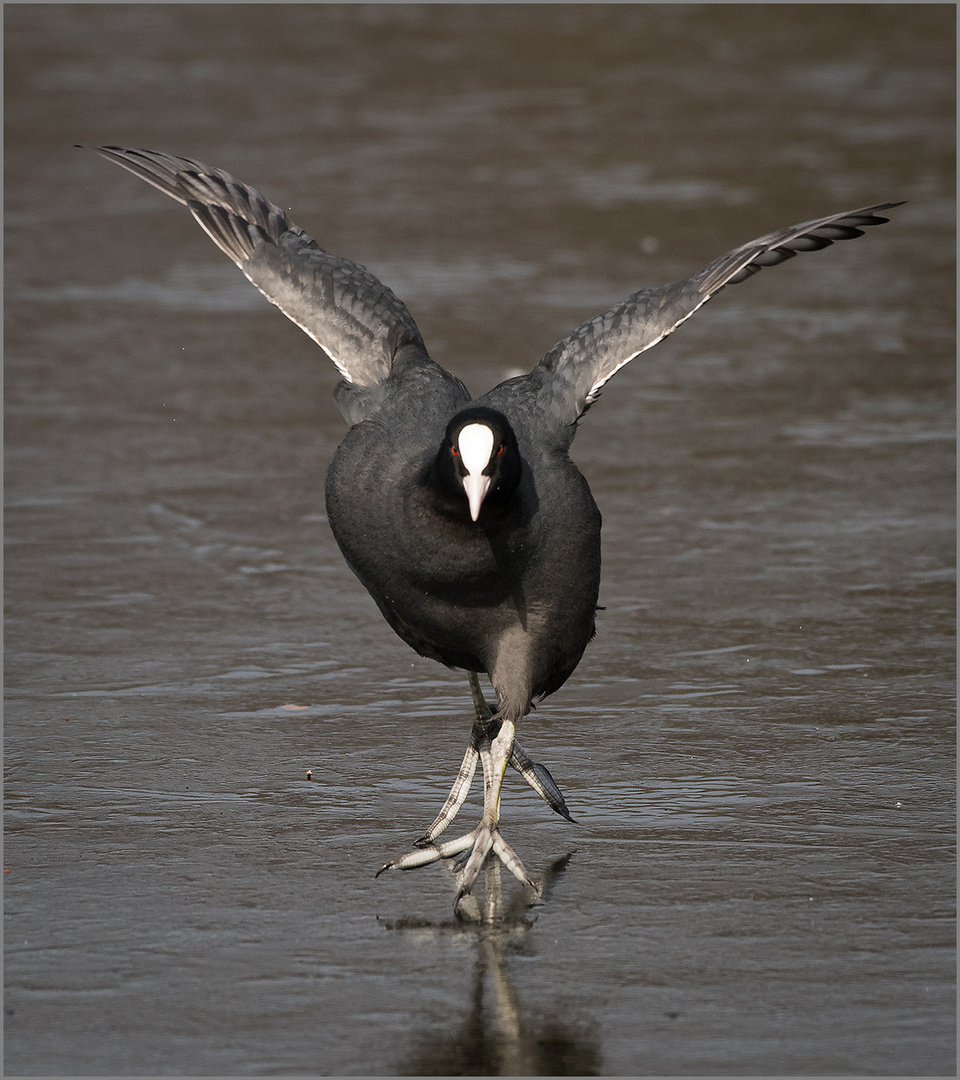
(500, 450)
(454, 451)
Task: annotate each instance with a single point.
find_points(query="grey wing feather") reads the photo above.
(576, 369)
(347, 311)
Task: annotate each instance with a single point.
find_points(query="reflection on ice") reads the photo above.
(497, 1037)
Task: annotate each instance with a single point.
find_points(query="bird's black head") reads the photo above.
(478, 466)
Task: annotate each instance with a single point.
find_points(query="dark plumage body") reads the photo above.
(512, 594)
(466, 521)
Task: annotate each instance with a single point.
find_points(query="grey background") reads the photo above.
(758, 746)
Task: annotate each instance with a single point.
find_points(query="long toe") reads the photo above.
(431, 853)
(511, 861)
(482, 847)
(539, 778)
(490, 840)
(458, 793)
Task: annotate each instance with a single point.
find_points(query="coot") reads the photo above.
(465, 519)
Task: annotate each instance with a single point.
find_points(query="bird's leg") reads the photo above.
(495, 749)
(480, 704)
(494, 753)
(495, 756)
(429, 851)
(536, 775)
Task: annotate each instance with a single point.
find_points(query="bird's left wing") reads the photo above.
(574, 371)
(347, 311)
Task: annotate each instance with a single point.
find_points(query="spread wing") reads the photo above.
(577, 368)
(348, 312)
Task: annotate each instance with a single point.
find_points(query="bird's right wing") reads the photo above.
(347, 311)
(576, 369)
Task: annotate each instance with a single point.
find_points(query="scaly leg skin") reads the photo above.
(457, 793)
(536, 775)
(495, 746)
(539, 778)
(494, 754)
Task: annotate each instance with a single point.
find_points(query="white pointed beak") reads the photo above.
(476, 488)
(476, 449)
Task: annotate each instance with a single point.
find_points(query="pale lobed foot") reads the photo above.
(484, 728)
(494, 755)
(495, 746)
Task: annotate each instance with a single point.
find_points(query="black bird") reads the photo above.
(466, 520)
